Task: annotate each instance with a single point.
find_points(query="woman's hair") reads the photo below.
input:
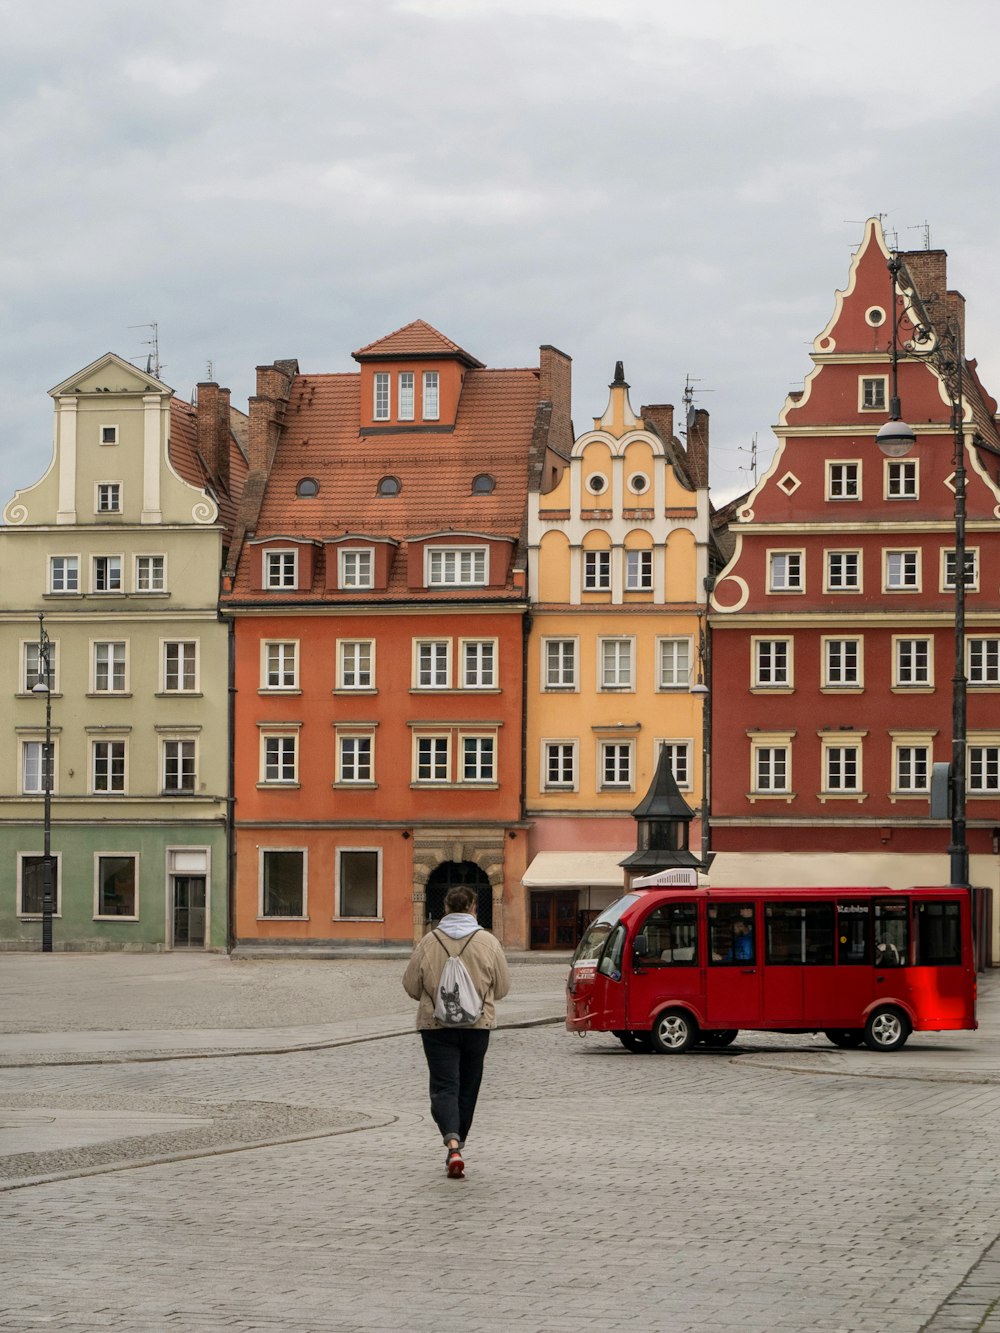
(460, 899)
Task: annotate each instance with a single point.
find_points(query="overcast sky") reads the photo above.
(677, 186)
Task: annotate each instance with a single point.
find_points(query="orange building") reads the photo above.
(377, 590)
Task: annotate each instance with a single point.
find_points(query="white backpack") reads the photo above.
(457, 1004)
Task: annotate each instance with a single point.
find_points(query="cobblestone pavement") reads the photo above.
(780, 1184)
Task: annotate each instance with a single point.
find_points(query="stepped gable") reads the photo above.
(322, 440)
(417, 339)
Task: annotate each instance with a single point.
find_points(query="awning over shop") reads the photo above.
(554, 870)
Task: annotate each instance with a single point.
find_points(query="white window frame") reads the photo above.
(483, 743)
(881, 403)
(278, 560)
(757, 646)
(676, 747)
(564, 666)
(639, 569)
(356, 567)
(841, 744)
(339, 915)
(285, 667)
(840, 473)
(787, 584)
(482, 671)
(108, 742)
(834, 664)
(975, 672)
(980, 745)
(349, 738)
(569, 745)
(262, 852)
(440, 742)
(107, 491)
(112, 565)
(948, 569)
(112, 663)
(351, 654)
(29, 677)
(183, 655)
(456, 566)
(70, 566)
(829, 583)
(670, 649)
(435, 660)
(381, 395)
(166, 742)
(22, 764)
(102, 431)
(907, 467)
(284, 737)
(621, 677)
(624, 748)
(430, 396)
(597, 570)
(56, 857)
(902, 586)
(406, 392)
(905, 643)
(771, 744)
(138, 576)
(107, 854)
(908, 745)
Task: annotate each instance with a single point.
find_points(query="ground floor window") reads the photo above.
(31, 884)
(358, 882)
(117, 886)
(283, 882)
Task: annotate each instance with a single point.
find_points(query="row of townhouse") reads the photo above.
(402, 627)
(451, 644)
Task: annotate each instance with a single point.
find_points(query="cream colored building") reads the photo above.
(121, 554)
(618, 561)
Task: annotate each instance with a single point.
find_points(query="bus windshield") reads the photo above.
(589, 948)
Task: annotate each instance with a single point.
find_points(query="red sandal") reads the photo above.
(455, 1164)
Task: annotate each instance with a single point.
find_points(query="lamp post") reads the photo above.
(895, 439)
(701, 690)
(43, 685)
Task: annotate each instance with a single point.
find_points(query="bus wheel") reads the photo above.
(720, 1037)
(673, 1032)
(636, 1042)
(848, 1038)
(886, 1030)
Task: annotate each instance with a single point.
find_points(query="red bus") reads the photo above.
(664, 968)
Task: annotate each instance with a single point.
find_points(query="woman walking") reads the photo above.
(456, 1040)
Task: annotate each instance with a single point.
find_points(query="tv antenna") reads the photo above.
(925, 227)
(153, 364)
(752, 451)
(690, 391)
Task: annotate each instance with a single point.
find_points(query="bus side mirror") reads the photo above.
(641, 948)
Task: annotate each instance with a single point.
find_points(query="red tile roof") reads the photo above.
(416, 339)
(322, 439)
(187, 460)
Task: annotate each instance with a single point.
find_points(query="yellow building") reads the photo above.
(618, 561)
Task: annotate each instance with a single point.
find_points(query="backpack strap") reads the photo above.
(464, 946)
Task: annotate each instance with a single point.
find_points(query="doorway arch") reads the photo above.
(446, 876)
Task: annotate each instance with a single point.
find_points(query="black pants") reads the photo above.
(455, 1059)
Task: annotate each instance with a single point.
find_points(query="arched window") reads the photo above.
(442, 878)
(389, 486)
(307, 486)
(483, 484)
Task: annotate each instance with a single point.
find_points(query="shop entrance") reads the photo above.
(553, 919)
(188, 893)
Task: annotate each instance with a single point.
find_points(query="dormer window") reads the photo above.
(380, 409)
(389, 486)
(307, 488)
(406, 395)
(280, 569)
(109, 497)
(431, 401)
(483, 484)
(356, 569)
(462, 566)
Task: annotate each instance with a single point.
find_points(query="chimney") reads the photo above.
(697, 446)
(661, 417)
(225, 440)
(555, 386)
(267, 411)
(208, 426)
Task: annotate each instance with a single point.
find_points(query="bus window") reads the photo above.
(939, 939)
(892, 933)
(731, 933)
(596, 934)
(611, 959)
(799, 933)
(671, 934)
(852, 933)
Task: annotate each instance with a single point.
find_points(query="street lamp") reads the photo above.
(895, 439)
(43, 685)
(701, 689)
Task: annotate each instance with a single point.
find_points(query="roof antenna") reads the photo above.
(689, 395)
(752, 469)
(154, 366)
(925, 227)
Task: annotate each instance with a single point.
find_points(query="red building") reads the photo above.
(833, 622)
(378, 596)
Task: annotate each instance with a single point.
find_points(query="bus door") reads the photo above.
(891, 949)
(854, 989)
(665, 962)
(732, 986)
(942, 979)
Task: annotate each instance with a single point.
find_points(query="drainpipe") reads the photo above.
(230, 793)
